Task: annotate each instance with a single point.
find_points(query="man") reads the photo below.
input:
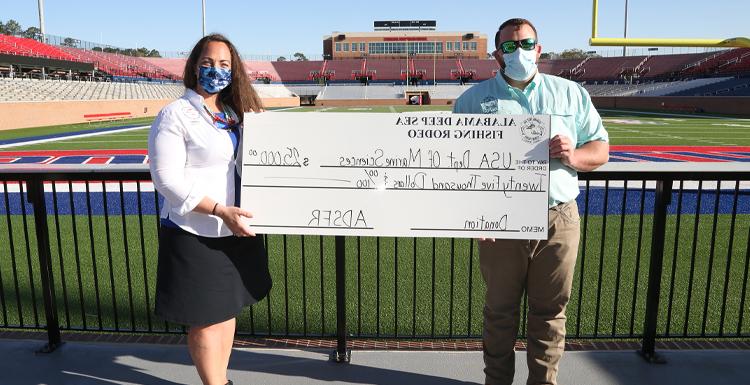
(544, 269)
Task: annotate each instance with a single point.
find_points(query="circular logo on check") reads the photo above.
(532, 130)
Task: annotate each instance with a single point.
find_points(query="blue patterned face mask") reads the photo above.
(214, 79)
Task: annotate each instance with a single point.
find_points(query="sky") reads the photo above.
(282, 28)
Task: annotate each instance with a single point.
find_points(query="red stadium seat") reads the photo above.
(29, 47)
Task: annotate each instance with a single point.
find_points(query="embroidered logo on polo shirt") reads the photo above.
(489, 105)
(191, 113)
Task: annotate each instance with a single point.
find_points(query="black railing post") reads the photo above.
(663, 198)
(341, 354)
(35, 188)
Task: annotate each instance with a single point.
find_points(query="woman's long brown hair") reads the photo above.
(239, 94)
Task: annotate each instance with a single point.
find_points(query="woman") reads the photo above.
(210, 264)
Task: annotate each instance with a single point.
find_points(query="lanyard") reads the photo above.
(229, 120)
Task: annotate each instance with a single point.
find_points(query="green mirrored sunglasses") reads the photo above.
(510, 46)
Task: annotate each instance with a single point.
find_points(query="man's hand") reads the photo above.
(585, 158)
(561, 147)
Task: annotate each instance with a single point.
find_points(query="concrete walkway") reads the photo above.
(83, 363)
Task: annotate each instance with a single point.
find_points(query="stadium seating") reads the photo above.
(20, 90)
(604, 68)
(442, 69)
(344, 68)
(613, 89)
(14, 45)
(296, 71)
(679, 86)
(738, 91)
(363, 72)
(120, 65)
(562, 67)
(739, 64)
(669, 66)
(273, 91)
(636, 69)
(260, 70)
(718, 86)
(715, 63)
(611, 69)
(175, 67)
(485, 68)
(387, 69)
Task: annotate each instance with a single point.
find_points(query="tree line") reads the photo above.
(298, 56)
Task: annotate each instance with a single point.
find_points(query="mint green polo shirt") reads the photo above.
(568, 104)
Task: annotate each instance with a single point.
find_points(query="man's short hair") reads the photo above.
(515, 22)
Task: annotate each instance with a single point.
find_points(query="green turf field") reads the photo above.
(405, 280)
(49, 130)
(625, 128)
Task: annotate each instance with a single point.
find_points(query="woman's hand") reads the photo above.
(232, 217)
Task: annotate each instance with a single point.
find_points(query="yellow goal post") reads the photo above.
(658, 42)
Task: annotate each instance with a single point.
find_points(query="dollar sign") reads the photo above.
(385, 179)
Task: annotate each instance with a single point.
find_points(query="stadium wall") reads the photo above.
(730, 105)
(38, 114)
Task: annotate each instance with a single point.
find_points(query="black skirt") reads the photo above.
(202, 281)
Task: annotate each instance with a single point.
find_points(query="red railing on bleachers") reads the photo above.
(121, 65)
(715, 63)
(22, 46)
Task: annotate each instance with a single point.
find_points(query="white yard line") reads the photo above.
(673, 137)
(285, 109)
(72, 141)
(57, 139)
(670, 114)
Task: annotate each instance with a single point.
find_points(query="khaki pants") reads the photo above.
(545, 270)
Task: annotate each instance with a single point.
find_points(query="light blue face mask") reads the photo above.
(520, 65)
(213, 79)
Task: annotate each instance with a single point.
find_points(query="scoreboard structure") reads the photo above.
(406, 25)
(400, 39)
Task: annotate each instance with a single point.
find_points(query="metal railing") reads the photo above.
(664, 254)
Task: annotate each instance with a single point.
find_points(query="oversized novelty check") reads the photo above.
(407, 174)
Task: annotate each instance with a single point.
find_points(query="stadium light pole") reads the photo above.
(203, 17)
(406, 45)
(434, 64)
(41, 18)
(625, 34)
